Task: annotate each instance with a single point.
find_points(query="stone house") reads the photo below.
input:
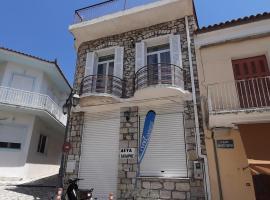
(133, 58)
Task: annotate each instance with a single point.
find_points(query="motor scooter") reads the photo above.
(74, 193)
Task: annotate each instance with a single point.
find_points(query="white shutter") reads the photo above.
(22, 82)
(140, 55)
(166, 152)
(118, 62)
(100, 153)
(91, 64)
(13, 133)
(175, 50)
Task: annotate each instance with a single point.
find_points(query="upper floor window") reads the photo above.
(106, 62)
(104, 71)
(105, 65)
(159, 61)
(164, 49)
(252, 81)
(158, 54)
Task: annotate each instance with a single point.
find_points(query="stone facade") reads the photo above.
(75, 130)
(130, 186)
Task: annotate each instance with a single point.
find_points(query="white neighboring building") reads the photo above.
(32, 124)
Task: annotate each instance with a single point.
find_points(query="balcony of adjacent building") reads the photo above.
(239, 102)
(42, 105)
(115, 16)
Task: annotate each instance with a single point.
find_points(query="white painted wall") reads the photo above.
(42, 83)
(12, 68)
(14, 160)
(2, 70)
(47, 164)
(47, 87)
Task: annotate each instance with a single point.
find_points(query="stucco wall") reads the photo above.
(215, 66)
(42, 83)
(256, 139)
(215, 62)
(38, 164)
(20, 69)
(2, 70)
(236, 179)
(13, 164)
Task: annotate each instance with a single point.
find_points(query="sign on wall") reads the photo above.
(146, 135)
(225, 144)
(127, 153)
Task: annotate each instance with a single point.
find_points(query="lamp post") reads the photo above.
(72, 101)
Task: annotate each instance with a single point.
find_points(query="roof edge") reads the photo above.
(234, 22)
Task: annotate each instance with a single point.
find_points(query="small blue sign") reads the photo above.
(147, 130)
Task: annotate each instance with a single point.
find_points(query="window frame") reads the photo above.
(39, 145)
(9, 144)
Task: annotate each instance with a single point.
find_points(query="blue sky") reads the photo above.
(40, 27)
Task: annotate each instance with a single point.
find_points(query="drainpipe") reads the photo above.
(198, 141)
(217, 164)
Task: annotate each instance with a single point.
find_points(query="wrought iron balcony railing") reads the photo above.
(12, 96)
(240, 95)
(107, 7)
(159, 74)
(102, 84)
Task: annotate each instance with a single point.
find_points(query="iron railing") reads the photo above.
(28, 99)
(102, 84)
(240, 95)
(107, 7)
(159, 74)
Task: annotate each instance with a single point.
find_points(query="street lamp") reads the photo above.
(72, 101)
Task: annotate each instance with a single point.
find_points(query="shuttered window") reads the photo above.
(92, 60)
(174, 45)
(166, 152)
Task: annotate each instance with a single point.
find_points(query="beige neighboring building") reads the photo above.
(234, 76)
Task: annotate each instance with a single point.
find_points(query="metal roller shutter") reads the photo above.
(166, 152)
(99, 156)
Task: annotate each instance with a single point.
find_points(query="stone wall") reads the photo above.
(75, 130)
(129, 185)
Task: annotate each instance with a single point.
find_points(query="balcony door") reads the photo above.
(158, 64)
(105, 68)
(252, 77)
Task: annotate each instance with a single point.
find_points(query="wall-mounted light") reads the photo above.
(127, 115)
(73, 100)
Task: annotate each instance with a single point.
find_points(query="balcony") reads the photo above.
(160, 80)
(243, 101)
(99, 89)
(31, 101)
(107, 7)
(114, 16)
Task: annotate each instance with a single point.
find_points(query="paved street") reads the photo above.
(25, 193)
(41, 189)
